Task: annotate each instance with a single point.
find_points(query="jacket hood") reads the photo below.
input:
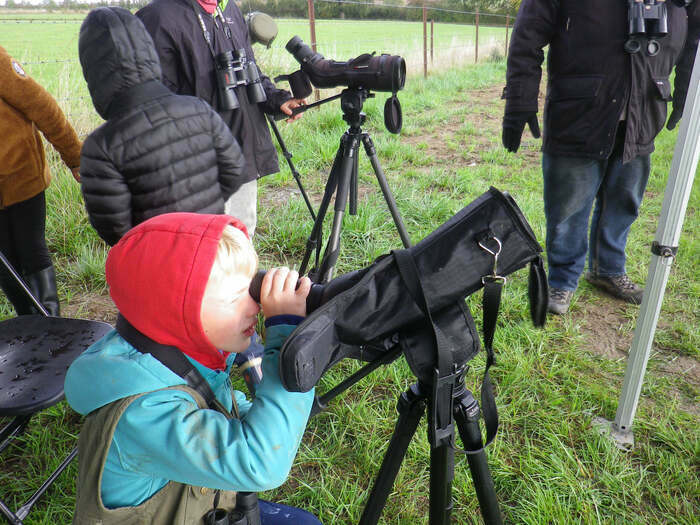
(116, 53)
(157, 274)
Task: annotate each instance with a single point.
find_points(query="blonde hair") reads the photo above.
(234, 255)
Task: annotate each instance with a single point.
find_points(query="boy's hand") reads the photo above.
(279, 294)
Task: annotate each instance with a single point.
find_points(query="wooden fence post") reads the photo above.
(312, 23)
(476, 46)
(425, 42)
(432, 29)
(312, 30)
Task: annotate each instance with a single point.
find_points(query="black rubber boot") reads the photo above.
(43, 286)
(15, 293)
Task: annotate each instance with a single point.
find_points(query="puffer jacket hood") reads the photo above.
(116, 53)
(157, 274)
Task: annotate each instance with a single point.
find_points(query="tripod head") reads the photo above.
(351, 102)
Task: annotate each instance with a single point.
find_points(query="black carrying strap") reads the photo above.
(445, 377)
(173, 358)
(493, 286)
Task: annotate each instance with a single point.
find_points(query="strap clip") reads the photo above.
(495, 252)
(663, 251)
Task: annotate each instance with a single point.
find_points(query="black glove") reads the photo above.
(679, 96)
(513, 126)
(674, 118)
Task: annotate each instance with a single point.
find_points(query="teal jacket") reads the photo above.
(165, 436)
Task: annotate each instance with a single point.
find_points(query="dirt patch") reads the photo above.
(90, 306)
(606, 329)
(280, 195)
(608, 332)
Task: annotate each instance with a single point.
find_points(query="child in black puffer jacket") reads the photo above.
(157, 152)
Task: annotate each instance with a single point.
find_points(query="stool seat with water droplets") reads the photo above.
(35, 352)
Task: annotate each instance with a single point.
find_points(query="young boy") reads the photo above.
(150, 450)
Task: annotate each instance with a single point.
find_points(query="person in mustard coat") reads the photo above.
(25, 110)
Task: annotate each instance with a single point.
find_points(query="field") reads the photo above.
(550, 466)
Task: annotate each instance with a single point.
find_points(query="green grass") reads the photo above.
(549, 465)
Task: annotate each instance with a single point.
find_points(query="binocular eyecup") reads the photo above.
(247, 512)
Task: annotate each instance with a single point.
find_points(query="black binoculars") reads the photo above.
(646, 19)
(233, 69)
(247, 512)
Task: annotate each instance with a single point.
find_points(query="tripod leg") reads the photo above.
(388, 196)
(442, 468)
(466, 412)
(315, 237)
(288, 156)
(353, 187)
(411, 407)
(330, 255)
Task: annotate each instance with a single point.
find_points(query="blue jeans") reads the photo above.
(279, 514)
(571, 186)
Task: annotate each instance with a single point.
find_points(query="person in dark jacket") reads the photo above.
(157, 152)
(188, 34)
(604, 107)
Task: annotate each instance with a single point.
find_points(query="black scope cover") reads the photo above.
(378, 73)
(451, 263)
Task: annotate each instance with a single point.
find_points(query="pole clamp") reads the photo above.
(663, 251)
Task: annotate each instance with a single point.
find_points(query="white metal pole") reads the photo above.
(680, 182)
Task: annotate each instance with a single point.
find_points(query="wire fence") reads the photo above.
(46, 43)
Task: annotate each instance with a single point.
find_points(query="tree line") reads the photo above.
(455, 11)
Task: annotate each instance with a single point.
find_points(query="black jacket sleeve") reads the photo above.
(106, 194)
(275, 97)
(229, 157)
(684, 66)
(533, 30)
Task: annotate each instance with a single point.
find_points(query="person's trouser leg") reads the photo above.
(13, 291)
(279, 514)
(243, 205)
(570, 187)
(617, 207)
(22, 238)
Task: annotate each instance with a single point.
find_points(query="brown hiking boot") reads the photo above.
(559, 300)
(620, 286)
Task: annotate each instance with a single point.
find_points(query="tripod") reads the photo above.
(342, 182)
(411, 407)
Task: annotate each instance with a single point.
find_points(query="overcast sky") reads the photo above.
(38, 2)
